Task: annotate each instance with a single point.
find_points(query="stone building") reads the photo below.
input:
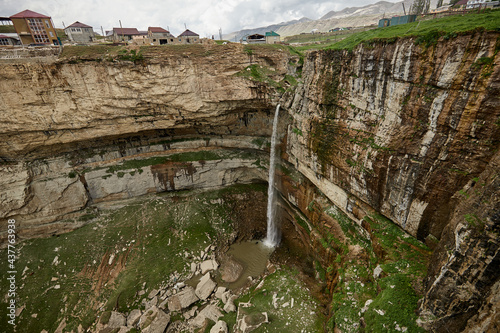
(160, 36)
(34, 28)
(188, 37)
(124, 34)
(80, 33)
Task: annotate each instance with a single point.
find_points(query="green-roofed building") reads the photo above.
(272, 37)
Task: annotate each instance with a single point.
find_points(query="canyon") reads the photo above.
(396, 129)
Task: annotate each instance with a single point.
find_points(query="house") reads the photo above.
(255, 39)
(80, 33)
(34, 28)
(160, 36)
(188, 37)
(9, 40)
(272, 37)
(124, 34)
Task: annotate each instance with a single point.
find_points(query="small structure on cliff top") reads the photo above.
(272, 37)
(160, 36)
(188, 37)
(80, 33)
(124, 34)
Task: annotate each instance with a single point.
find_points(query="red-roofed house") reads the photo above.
(160, 36)
(188, 37)
(34, 28)
(124, 34)
(80, 33)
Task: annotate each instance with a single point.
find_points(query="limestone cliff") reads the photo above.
(407, 130)
(91, 129)
(398, 126)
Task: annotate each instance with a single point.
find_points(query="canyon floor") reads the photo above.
(123, 270)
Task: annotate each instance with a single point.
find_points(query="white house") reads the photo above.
(80, 33)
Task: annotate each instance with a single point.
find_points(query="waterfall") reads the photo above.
(272, 237)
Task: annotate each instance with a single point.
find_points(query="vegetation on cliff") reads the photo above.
(426, 31)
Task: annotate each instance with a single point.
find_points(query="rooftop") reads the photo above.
(272, 33)
(189, 33)
(126, 31)
(78, 25)
(157, 29)
(29, 14)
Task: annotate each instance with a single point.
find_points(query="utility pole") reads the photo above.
(123, 38)
(220, 33)
(102, 31)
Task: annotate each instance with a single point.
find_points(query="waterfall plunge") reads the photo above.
(272, 237)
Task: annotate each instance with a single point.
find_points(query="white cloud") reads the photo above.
(204, 17)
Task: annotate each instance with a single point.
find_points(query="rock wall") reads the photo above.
(399, 127)
(411, 132)
(77, 132)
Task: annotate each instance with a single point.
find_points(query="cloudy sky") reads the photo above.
(205, 17)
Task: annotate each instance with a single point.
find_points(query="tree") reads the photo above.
(420, 7)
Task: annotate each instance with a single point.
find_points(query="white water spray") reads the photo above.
(272, 237)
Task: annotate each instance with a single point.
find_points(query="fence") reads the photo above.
(26, 52)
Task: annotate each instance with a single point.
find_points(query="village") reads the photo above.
(34, 29)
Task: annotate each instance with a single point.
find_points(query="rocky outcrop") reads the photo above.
(463, 280)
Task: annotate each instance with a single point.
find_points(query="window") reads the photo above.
(38, 30)
(47, 23)
(51, 34)
(4, 41)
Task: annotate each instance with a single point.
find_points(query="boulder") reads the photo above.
(230, 307)
(116, 320)
(208, 265)
(182, 300)
(230, 269)
(219, 292)
(219, 327)
(210, 312)
(133, 317)
(158, 324)
(205, 287)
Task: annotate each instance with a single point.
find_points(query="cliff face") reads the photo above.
(75, 132)
(397, 129)
(413, 133)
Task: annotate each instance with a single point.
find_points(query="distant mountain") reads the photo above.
(237, 35)
(347, 17)
(380, 7)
